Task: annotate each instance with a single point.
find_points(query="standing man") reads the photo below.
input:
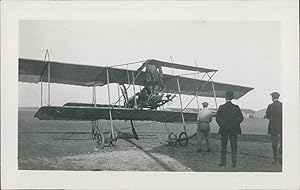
(229, 117)
(274, 114)
(203, 130)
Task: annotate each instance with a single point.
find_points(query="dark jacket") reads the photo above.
(229, 117)
(274, 114)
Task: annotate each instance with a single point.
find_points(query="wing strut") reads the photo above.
(215, 97)
(94, 100)
(197, 90)
(210, 78)
(49, 83)
(182, 117)
(41, 92)
(134, 96)
(47, 56)
(110, 116)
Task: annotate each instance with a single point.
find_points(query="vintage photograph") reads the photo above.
(169, 96)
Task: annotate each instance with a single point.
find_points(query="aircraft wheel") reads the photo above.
(94, 129)
(172, 139)
(100, 140)
(183, 139)
(94, 135)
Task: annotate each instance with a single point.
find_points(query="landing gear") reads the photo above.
(105, 139)
(172, 139)
(182, 140)
(100, 140)
(133, 130)
(95, 129)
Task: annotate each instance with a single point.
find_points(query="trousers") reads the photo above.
(203, 132)
(233, 144)
(276, 139)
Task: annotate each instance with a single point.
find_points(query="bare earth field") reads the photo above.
(67, 145)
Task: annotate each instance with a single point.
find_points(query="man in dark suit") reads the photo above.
(229, 117)
(274, 114)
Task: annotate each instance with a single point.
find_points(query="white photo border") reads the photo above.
(283, 11)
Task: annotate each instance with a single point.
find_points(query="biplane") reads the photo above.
(157, 89)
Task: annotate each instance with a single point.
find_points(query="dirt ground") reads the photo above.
(66, 145)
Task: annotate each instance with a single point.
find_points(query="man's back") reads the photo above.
(229, 117)
(274, 114)
(205, 115)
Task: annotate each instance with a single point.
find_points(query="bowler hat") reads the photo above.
(205, 104)
(275, 94)
(229, 95)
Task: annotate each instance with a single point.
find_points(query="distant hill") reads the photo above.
(260, 113)
(248, 111)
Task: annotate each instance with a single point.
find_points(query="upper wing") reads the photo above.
(35, 71)
(92, 114)
(189, 86)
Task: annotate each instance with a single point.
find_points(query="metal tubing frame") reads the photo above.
(200, 88)
(94, 96)
(119, 98)
(49, 82)
(213, 87)
(48, 66)
(197, 98)
(128, 80)
(131, 63)
(110, 115)
(172, 71)
(41, 76)
(41, 92)
(197, 92)
(182, 116)
(134, 95)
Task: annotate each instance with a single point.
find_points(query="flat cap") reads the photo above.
(229, 95)
(275, 94)
(205, 104)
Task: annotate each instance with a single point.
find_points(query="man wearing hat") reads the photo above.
(274, 114)
(229, 117)
(203, 130)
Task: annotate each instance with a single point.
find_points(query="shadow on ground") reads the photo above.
(253, 156)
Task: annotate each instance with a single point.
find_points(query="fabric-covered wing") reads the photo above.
(189, 86)
(91, 114)
(35, 71)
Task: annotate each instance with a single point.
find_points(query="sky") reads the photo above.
(246, 53)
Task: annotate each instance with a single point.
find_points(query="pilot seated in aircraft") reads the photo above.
(145, 100)
(154, 78)
(142, 100)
